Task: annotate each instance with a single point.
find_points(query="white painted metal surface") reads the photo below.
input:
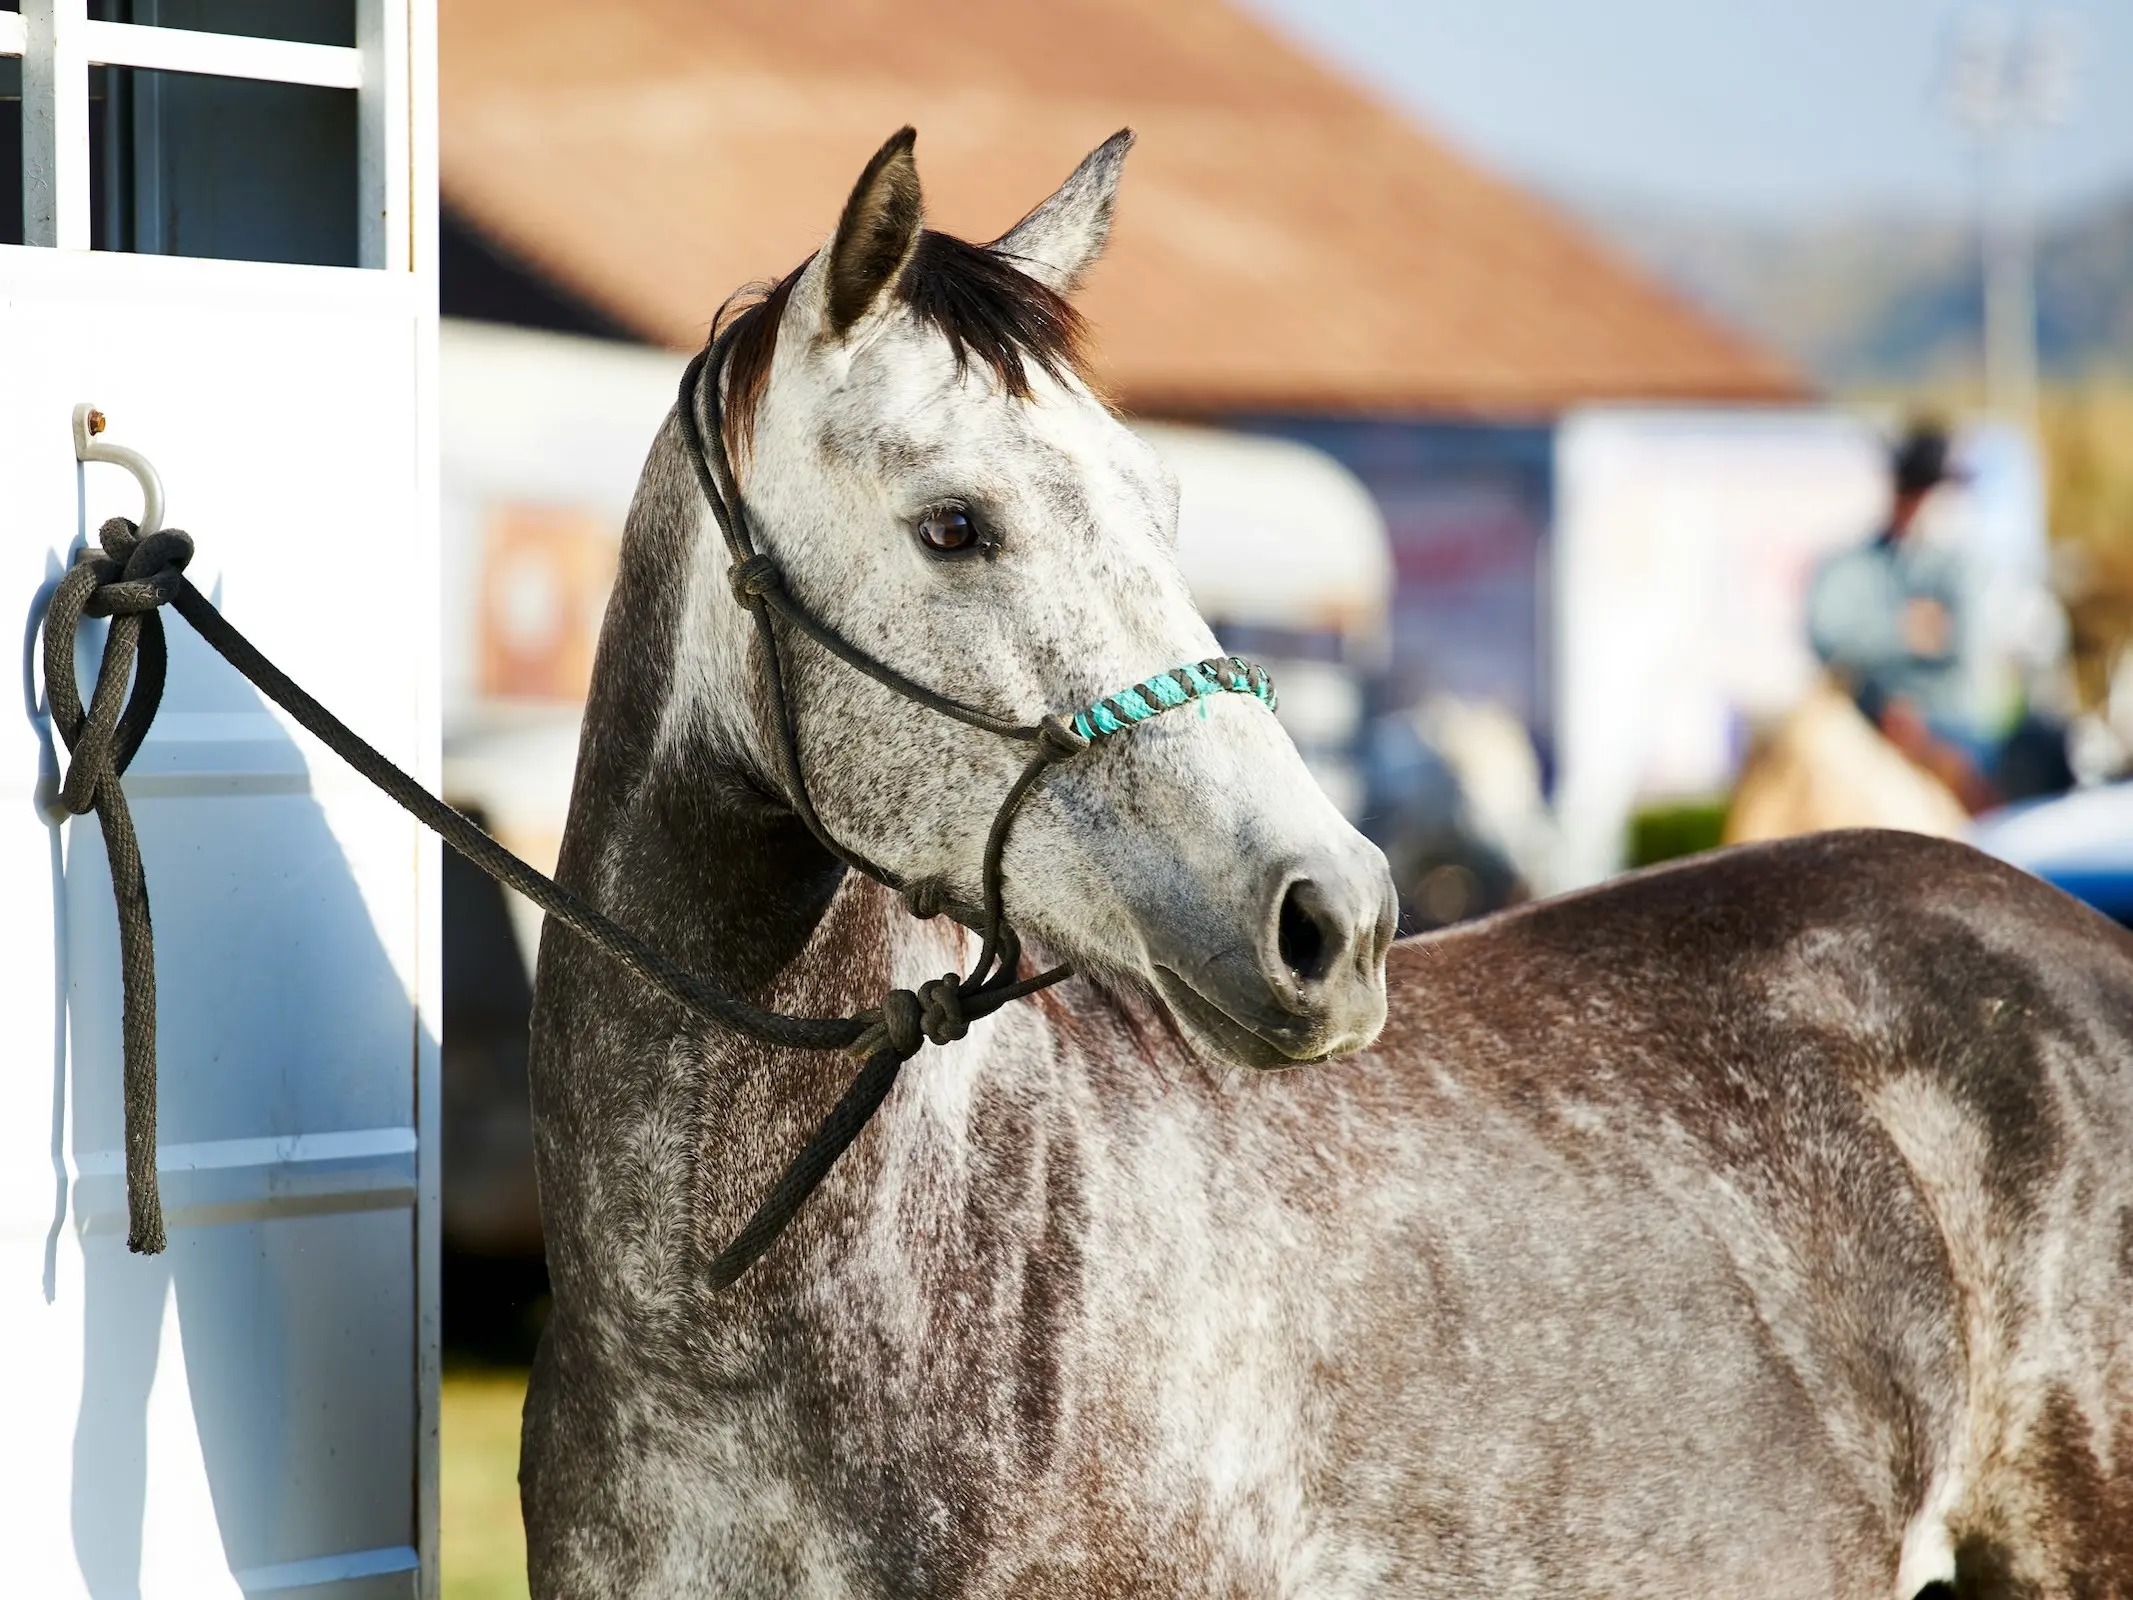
(253, 1412)
(121, 44)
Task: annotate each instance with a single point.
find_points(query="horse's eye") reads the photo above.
(947, 528)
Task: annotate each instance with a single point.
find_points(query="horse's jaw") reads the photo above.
(1249, 1037)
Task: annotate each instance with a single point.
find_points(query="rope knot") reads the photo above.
(925, 899)
(941, 1007)
(753, 577)
(901, 1016)
(134, 575)
(129, 580)
(935, 1012)
(1057, 739)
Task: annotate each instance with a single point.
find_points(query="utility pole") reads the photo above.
(2001, 84)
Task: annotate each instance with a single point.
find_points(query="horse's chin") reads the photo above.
(1229, 1040)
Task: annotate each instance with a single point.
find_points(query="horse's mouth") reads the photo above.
(1266, 1040)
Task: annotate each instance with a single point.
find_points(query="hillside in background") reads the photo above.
(1880, 301)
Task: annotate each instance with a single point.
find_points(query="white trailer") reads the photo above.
(252, 1412)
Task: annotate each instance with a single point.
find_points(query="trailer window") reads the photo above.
(182, 164)
(10, 144)
(256, 130)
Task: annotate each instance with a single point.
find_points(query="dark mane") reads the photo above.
(986, 307)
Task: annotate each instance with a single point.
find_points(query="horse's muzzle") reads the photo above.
(1310, 981)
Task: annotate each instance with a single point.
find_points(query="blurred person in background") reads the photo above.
(1890, 620)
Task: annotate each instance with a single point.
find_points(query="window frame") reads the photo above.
(58, 43)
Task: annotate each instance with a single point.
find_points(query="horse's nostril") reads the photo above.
(1306, 944)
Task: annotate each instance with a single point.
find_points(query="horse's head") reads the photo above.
(919, 453)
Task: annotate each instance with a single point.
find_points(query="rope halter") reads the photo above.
(942, 1009)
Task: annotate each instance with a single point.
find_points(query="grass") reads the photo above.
(1664, 833)
(2088, 453)
(484, 1546)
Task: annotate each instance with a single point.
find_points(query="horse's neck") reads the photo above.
(676, 832)
(754, 904)
(672, 824)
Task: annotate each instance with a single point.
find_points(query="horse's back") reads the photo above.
(1884, 1086)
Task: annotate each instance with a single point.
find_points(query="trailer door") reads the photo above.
(226, 243)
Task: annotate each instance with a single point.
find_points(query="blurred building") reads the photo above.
(1291, 257)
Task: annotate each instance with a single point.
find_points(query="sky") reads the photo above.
(1777, 109)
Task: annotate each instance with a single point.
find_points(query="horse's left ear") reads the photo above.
(1061, 239)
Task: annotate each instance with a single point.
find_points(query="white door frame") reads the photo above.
(392, 71)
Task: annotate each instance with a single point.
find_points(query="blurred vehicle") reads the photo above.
(1437, 778)
(1286, 555)
(541, 437)
(2082, 842)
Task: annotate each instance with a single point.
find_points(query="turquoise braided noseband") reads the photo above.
(1193, 681)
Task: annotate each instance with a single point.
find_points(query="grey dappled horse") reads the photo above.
(1753, 1227)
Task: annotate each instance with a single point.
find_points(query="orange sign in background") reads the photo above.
(546, 573)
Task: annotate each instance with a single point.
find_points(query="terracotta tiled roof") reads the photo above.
(1284, 241)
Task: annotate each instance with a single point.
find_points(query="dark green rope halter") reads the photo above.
(131, 577)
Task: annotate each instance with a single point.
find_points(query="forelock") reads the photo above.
(988, 310)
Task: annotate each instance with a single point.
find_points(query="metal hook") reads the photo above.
(89, 422)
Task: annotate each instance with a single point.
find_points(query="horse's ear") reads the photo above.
(1061, 239)
(876, 234)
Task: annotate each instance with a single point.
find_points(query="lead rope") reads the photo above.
(131, 578)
